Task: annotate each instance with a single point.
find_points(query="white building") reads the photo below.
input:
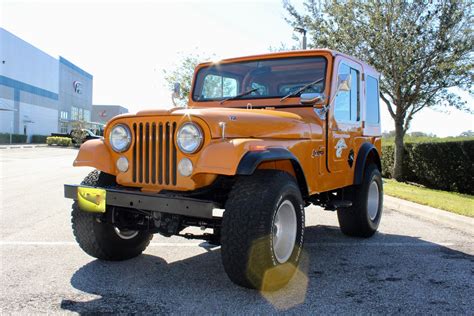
(40, 94)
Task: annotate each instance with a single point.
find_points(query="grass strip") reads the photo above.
(449, 201)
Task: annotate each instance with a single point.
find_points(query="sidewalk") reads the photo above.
(16, 146)
(432, 214)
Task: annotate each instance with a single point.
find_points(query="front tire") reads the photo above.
(103, 240)
(262, 230)
(363, 218)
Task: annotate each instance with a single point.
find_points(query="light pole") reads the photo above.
(302, 31)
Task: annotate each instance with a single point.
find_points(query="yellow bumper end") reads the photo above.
(91, 199)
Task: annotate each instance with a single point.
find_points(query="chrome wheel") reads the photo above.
(373, 199)
(284, 231)
(125, 233)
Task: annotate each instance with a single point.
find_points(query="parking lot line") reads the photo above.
(188, 244)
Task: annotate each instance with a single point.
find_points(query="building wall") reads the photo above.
(103, 113)
(29, 83)
(38, 120)
(75, 94)
(40, 94)
(26, 63)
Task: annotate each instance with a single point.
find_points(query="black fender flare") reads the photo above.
(367, 152)
(252, 159)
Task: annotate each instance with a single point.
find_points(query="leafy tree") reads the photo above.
(183, 74)
(284, 47)
(77, 132)
(468, 133)
(422, 48)
(388, 134)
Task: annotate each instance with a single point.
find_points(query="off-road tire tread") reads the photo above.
(352, 220)
(248, 208)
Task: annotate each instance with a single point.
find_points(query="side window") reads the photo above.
(372, 115)
(347, 103)
(219, 87)
(355, 99)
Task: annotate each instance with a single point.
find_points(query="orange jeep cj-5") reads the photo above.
(262, 137)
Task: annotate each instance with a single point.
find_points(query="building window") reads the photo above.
(74, 113)
(80, 114)
(87, 115)
(64, 115)
(63, 127)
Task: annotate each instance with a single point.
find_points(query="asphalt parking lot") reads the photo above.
(409, 266)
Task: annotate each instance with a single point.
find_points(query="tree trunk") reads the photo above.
(399, 151)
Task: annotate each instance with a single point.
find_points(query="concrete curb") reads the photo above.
(431, 214)
(13, 146)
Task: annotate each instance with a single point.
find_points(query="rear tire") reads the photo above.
(363, 218)
(103, 240)
(262, 230)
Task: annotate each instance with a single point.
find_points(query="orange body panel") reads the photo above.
(95, 153)
(284, 124)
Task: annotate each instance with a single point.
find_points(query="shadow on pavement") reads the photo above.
(386, 273)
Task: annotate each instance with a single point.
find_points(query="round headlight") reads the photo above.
(189, 138)
(120, 138)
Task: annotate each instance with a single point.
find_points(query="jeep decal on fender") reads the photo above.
(340, 146)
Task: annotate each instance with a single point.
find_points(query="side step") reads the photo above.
(337, 204)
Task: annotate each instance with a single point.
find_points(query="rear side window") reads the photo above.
(372, 114)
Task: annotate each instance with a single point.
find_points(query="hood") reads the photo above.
(243, 123)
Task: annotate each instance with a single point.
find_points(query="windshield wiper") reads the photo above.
(306, 86)
(240, 95)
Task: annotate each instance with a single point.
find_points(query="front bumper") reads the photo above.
(150, 202)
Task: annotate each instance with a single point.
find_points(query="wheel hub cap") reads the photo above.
(125, 233)
(373, 200)
(284, 231)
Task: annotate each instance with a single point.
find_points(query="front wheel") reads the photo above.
(363, 218)
(262, 230)
(103, 240)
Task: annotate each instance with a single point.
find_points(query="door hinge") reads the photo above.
(321, 113)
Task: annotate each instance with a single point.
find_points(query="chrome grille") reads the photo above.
(154, 153)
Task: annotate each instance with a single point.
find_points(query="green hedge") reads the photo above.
(16, 138)
(445, 166)
(38, 139)
(60, 141)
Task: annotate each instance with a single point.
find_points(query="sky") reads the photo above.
(125, 45)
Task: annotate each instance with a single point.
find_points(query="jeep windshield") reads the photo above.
(259, 79)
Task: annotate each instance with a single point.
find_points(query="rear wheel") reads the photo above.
(363, 217)
(262, 230)
(103, 240)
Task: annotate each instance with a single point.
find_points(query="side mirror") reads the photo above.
(312, 98)
(177, 89)
(344, 82)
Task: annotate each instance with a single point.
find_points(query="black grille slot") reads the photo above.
(160, 154)
(173, 165)
(147, 153)
(154, 153)
(134, 159)
(140, 153)
(167, 154)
